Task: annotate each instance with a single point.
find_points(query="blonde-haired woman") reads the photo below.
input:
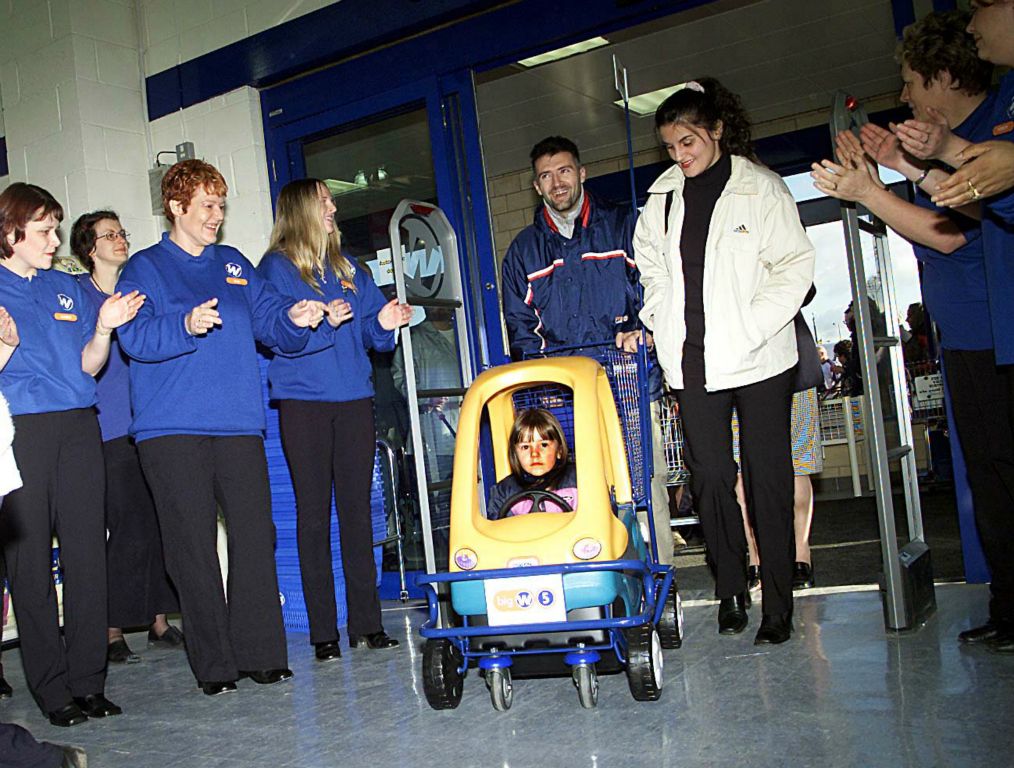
(325, 408)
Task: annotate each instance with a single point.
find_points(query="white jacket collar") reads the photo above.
(742, 180)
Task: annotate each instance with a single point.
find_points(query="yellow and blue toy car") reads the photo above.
(546, 593)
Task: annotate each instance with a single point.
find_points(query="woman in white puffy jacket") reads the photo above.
(725, 266)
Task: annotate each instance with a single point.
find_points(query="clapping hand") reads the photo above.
(117, 310)
(338, 311)
(307, 313)
(883, 146)
(8, 329)
(988, 169)
(394, 315)
(203, 318)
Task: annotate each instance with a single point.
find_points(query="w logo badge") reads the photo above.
(234, 270)
(65, 301)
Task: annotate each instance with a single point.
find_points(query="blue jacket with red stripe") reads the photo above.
(564, 292)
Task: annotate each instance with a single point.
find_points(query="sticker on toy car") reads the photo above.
(525, 600)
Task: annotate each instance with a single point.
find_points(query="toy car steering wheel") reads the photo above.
(537, 498)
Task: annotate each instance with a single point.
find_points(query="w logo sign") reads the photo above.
(234, 270)
(65, 301)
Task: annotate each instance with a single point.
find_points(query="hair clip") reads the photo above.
(693, 85)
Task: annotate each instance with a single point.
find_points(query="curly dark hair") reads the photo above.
(82, 236)
(706, 110)
(939, 43)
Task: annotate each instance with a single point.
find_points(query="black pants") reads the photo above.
(982, 401)
(138, 585)
(766, 457)
(332, 445)
(188, 474)
(19, 749)
(60, 458)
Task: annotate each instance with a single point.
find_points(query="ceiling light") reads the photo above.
(647, 103)
(563, 53)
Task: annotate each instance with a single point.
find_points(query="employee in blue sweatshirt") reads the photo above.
(58, 345)
(199, 422)
(139, 589)
(325, 409)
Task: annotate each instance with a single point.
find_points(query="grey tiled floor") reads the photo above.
(841, 693)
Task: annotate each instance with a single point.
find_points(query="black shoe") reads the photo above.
(752, 578)
(118, 652)
(328, 651)
(1002, 643)
(66, 716)
(374, 640)
(775, 628)
(978, 635)
(268, 676)
(5, 688)
(97, 705)
(802, 576)
(217, 688)
(171, 638)
(732, 617)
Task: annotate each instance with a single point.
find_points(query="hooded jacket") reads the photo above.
(758, 266)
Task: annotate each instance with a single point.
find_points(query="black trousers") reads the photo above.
(332, 445)
(766, 457)
(982, 401)
(19, 749)
(60, 458)
(188, 474)
(139, 587)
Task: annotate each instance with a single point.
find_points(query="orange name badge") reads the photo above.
(236, 280)
(348, 285)
(67, 317)
(1002, 128)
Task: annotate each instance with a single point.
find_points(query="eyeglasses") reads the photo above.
(110, 236)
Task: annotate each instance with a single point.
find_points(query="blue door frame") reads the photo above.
(294, 115)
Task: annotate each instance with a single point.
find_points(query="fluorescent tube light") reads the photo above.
(563, 53)
(647, 103)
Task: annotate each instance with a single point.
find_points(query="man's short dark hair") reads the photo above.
(939, 43)
(554, 145)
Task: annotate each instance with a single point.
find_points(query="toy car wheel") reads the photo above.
(442, 680)
(670, 628)
(644, 662)
(586, 680)
(501, 688)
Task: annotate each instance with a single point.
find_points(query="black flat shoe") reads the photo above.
(753, 580)
(774, 629)
(97, 705)
(328, 651)
(5, 688)
(64, 717)
(217, 688)
(732, 616)
(802, 576)
(268, 676)
(118, 652)
(1003, 642)
(171, 638)
(374, 640)
(978, 635)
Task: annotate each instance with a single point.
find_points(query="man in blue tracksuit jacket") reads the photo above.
(569, 279)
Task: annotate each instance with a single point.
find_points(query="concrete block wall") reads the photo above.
(175, 31)
(228, 133)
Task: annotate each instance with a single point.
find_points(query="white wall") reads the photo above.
(179, 30)
(228, 133)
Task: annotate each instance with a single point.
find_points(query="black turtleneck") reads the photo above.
(700, 194)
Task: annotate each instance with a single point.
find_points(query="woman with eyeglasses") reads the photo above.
(140, 593)
(60, 344)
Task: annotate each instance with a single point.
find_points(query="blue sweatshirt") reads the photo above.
(200, 385)
(998, 235)
(112, 383)
(954, 284)
(334, 366)
(55, 321)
